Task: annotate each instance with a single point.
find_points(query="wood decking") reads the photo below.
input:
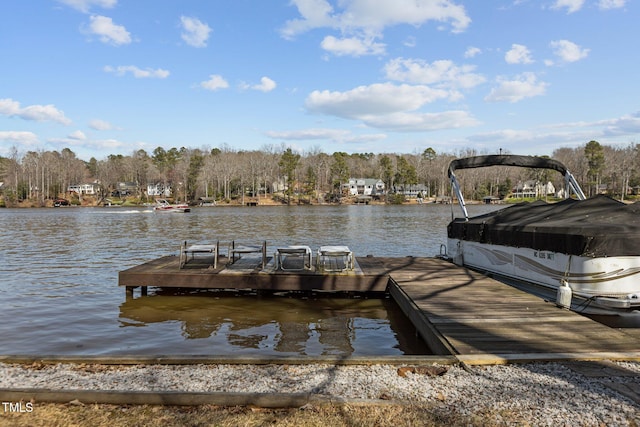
(457, 311)
(246, 273)
(481, 320)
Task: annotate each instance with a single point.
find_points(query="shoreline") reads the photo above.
(540, 393)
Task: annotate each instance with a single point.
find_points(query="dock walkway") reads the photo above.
(481, 320)
(457, 311)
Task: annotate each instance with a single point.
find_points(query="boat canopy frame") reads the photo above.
(533, 162)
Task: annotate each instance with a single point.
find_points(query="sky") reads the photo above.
(104, 77)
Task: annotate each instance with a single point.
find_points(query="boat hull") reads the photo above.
(177, 209)
(599, 285)
(163, 205)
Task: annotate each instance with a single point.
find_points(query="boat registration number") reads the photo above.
(543, 254)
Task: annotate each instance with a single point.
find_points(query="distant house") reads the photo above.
(365, 186)
(158, 189)
(126, 188)
(279, 185)
(533, 189)
(86, 189)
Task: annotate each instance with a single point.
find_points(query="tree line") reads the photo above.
(226, 173)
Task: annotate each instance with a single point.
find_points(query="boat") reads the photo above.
(162, 205)
(583, 253)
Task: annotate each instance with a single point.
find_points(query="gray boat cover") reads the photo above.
(506, 160)
(596, 227)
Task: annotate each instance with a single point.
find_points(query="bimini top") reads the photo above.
(510, 160)
(596, 227)
(506, 160)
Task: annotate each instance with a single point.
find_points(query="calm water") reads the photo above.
(59, 275)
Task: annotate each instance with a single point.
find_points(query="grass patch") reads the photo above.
(208, 415)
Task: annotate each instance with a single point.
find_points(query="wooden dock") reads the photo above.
(246, 273)
(480, 320)
(457, 311)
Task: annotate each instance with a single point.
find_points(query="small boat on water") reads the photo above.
(162, 205)
(584, 254)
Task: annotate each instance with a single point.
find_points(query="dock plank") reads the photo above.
(477, 315)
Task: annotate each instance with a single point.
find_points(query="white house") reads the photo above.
(532, 189)
(365, 186)
(158, 189)
(88, 189)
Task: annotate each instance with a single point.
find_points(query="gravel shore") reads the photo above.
(558, 393)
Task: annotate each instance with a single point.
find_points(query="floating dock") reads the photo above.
(457, 311)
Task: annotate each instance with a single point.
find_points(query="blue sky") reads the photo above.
(395, 76)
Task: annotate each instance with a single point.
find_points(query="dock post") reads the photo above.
(143, 291)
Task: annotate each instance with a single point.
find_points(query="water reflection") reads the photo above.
(280, 324)
(59, 289)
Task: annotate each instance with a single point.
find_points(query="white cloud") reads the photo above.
(611, 4)
(421, 122)
(107, 31)
(376, 99)
(352, 46)
(98, 124)
(570, 5)
(523, 86)
(215, 82)
(336, 135)
(77, 135)
(389, 106)
(519, 54)
(511, 135)
(74, 141)
(472, 52)
(372, 16)
(265, 85)
(308, 134)
(625, 125)
(9, 107)
(19, 137)
(550, 137)
(85, 5)
(568, 51)
(39, 113)
(195, 32)
(315, 14)
(443, 73)
(108, 143)
(137, 72)
(410, 41)
(361, 22)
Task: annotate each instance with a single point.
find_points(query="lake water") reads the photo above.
(59, 292)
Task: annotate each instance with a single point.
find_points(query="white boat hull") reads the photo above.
(599, 285)
(172, 209)
(163, 206)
